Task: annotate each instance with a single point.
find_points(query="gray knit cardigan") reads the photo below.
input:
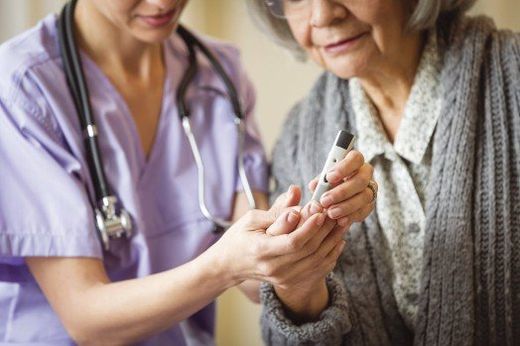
(470, 288)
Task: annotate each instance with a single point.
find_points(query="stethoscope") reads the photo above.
(112, 220)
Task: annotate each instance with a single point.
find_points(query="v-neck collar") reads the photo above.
(143, 160)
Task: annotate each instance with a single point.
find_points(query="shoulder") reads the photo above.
(31, 71)
(477, 41)
(22, 57)
(469, 36)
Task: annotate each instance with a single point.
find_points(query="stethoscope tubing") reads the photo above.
(78, 86)
(104, 201)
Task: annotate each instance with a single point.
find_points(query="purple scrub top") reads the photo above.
(46, 190)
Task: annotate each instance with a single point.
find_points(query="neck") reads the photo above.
(125, 55)
(388, 83)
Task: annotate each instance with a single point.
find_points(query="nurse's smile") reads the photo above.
(159, 20)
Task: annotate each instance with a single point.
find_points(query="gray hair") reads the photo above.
(423, 17)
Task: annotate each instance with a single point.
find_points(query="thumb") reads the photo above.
(288, 199)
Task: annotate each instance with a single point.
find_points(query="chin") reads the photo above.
(347, 70)
(158, 36)
(348, 65)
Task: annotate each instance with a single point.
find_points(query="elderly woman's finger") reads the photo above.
(313, 183)
(346, 167)
(349, 188)
(352, 204)
(362, 214)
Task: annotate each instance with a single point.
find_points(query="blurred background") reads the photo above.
(280, 82)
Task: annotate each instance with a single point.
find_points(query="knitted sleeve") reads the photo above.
(285, 156)
(332, 325)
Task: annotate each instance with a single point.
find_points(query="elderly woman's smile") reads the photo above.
(343, 45)
(352, 37)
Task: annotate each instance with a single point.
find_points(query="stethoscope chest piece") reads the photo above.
(112, 223)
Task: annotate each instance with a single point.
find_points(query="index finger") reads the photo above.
(346, 167)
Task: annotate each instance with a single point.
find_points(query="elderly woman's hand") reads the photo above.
(353, 195)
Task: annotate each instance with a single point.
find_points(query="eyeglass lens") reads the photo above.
(288, 8)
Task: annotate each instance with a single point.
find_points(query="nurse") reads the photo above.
(58, 285)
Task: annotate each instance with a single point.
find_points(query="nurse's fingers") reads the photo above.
(306, 212)
(293, 242)
(319, 264)
(310, 209)
(320, 260)
(303, 241)
(284, 224)
(288, 199)
(317, 241)
(258, 219)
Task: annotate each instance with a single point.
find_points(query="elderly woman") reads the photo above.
(434, 99)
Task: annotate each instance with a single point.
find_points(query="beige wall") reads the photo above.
(279, 80)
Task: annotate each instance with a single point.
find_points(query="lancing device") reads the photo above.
(342, 145)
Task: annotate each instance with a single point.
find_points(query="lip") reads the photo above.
(159, 20)
(343, 45)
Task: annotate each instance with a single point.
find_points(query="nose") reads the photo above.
(326, 12)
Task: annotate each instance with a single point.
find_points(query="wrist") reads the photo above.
(304, 303)
(217, 269)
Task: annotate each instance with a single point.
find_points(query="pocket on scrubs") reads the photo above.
(180, 243)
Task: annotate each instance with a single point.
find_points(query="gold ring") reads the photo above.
(372, 185)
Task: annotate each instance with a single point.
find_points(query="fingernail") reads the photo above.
(320, 220)
(292, 217)
(326, 201)
(315, 208)
(334, 213)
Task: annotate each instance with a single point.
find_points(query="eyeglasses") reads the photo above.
(289, 8)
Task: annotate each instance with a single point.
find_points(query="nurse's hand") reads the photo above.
(307, 295)
(249, 251)
(351, 199)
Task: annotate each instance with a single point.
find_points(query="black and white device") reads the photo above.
(342, 145)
